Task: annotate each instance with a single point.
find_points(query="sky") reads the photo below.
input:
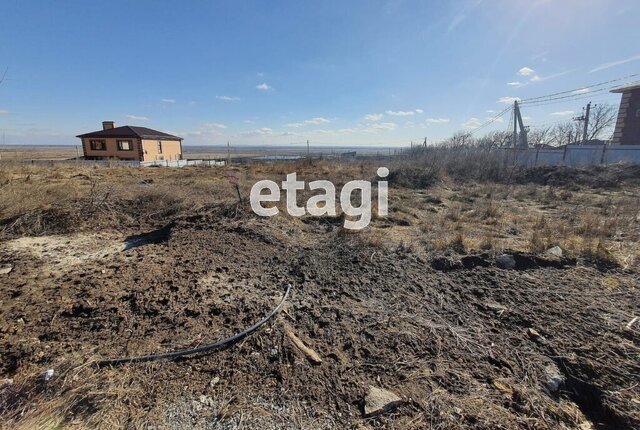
(335, 72)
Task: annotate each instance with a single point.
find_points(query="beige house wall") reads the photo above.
(171, 150)
(112, 148)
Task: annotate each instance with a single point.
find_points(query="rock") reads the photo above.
(553, 378)
(555, 251)
(506, 261)
(6, 382)
(6, 269)
(214, 381)
(378, 401)
(533, 334)
(495, 307)
(48, 374)
(206, 400)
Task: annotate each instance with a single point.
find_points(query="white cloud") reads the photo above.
(515, 84)
(4, 112)
(537, 78)
(563, 113)
(472, 123)
(317, 121)
(385, 126)
(419, 111)
(228, 98)
(265, 131)
(214, 125)
(508, 100)
(437, 120)
(168, 101)
(137, 118)
(373, 117)
(525, 118)
(400, 113)
(264, 87)
(581, 91)
(490, 111)
(526, 71)
(615, 63)
(248, 121)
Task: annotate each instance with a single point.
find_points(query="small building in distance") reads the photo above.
(130, 143)
(627, 131)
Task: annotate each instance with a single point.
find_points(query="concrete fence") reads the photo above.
(575, 155)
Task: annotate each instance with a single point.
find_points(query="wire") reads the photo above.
(490, 121)
(213, 346)
(582, 88)
(568, 98)
(551, 102)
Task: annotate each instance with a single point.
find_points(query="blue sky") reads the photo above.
(279, 72)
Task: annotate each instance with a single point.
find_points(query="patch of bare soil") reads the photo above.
(535, 347)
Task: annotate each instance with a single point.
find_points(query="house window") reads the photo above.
(125, 145)
(159, 147)
(98, 145)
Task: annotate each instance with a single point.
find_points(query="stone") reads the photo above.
(505, 261)
(533, 334)
(206, 400)
(48, 374)
(554, 251)
(214, 381)
(553, 378)
(6, 269)
(378, 401)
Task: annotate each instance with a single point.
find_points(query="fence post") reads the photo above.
(604, 150)
(564, 154)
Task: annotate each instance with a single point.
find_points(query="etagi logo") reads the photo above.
(324, 203)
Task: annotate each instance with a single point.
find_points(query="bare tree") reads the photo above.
(602, 119)
(539, 136)
(460, 139)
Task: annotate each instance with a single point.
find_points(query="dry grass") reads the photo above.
(431, 212)
(428, 209)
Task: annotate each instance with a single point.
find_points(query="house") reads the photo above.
(130, 143)
(627, 131)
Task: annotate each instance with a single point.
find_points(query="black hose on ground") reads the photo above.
(204, 348)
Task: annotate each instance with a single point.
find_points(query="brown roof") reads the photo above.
(131, 131)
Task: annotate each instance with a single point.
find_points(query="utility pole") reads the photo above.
(514, 138)
(308, 150)
(517, 121)
(228, 154)
(586, 123)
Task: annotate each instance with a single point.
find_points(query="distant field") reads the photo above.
(63, 152)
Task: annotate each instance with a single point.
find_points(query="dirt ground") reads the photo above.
(419, 303)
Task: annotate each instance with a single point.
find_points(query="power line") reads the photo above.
(564, 100)
(572, 96)
(581, 88)
(490, 121)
